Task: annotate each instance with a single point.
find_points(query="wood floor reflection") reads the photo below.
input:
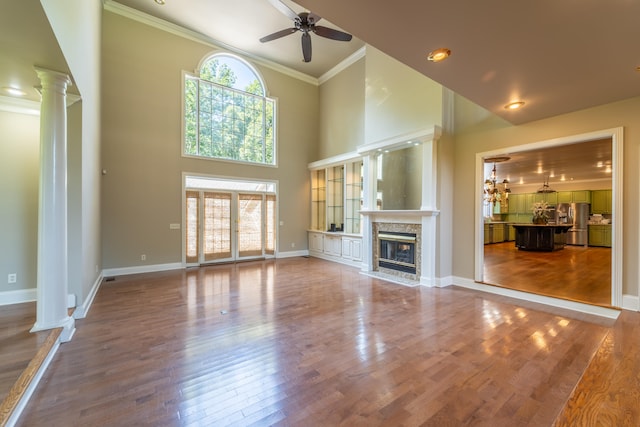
(305, 342)
(575, 272)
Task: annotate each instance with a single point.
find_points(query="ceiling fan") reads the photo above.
(306, 23)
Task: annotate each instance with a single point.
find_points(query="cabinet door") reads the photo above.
(583, 196)
(318, 200)
(606, 238)
(530, 199)
(346, 247)
(332, 245)
(315, 242)
(565, 197)
(352, 248)
(514, 200)
(498, 233)
(601, 201)
(551, 198)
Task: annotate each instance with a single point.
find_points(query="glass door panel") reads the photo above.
(270, 226)
(192, 227)
(250, 225)
(217, 226)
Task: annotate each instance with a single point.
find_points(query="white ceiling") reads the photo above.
(241, 23)
(557, 56)
(580, 162)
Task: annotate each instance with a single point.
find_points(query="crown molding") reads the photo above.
(346, 63)
(136, 15)
(20, 106)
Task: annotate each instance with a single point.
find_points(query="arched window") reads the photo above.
(227, 114)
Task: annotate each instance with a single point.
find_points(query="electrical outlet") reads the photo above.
(12, 278)
(293, 245)
(143, 257)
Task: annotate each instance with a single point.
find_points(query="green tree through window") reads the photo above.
(227, 114)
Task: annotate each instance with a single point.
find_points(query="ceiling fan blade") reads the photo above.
(278, 34)
(306, 47)
(284, 9)
(332, 34)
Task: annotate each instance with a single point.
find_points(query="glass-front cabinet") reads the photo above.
(353, 197)
(335, 198)
(336, 201)
(318, 199)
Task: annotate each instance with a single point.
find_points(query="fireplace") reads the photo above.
(397, 251)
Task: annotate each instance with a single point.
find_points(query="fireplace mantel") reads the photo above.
(399, 216)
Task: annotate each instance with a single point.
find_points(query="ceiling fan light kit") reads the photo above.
(306, 23)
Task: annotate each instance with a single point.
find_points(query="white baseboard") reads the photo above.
(108, 272)
(540, 299)
(443, 282)
(292, 254)
(24, 400)
(631, 302)
(18, 296)
(82, 310)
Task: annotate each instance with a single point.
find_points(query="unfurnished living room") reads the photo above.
(268, 212)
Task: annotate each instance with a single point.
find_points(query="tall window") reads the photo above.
(227, 114)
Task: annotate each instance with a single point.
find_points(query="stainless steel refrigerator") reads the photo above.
(576, 214)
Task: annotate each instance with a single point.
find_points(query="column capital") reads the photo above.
(50, 77)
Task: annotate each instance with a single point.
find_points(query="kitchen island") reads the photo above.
(541, 237)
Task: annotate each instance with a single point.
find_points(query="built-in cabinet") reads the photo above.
(336, 198)
(581, 196)
(498, 232)
(338, 247)
(601, 202)
(600, 235)
(336, 201)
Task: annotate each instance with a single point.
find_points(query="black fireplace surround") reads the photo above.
(397, 251)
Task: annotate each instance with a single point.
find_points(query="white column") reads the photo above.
(52, 211)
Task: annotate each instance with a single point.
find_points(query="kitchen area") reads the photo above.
(589, 212)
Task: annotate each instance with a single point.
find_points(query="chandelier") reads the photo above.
(494, 192)
(545, 187)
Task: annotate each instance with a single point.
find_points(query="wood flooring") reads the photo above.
(575, 272)
(18, 346)
(307, 342)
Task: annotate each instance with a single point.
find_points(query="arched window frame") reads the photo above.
(240, 151)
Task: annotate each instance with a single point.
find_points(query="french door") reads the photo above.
(228, 226)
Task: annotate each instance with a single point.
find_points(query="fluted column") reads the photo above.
(52, 210)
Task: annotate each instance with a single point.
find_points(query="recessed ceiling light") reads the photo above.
(13, 91)
(439, 55)
(160, 2)
(514, 105)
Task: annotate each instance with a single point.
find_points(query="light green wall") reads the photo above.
(492, 134)
(19, 181)
(342, 112)
(141, 132)
(398, 99)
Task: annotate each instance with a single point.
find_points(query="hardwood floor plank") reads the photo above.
(575, 272)
(305, 342)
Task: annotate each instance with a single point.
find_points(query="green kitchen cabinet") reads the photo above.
(600, 235)
(550, 198)
(582, 196)
(601, 202)
(516, 203)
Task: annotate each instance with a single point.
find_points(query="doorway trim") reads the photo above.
(616, 135)
(234, 186)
